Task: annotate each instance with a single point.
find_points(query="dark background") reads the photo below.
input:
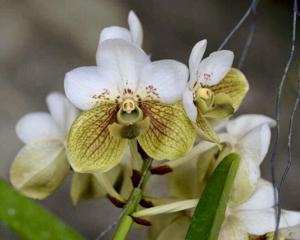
(41, 40)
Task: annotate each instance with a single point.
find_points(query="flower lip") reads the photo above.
(129, 112)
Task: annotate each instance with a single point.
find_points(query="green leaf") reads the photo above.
(210, 212)
(29, 220)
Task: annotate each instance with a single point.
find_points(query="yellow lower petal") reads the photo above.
(90, 145)
(170, 134)
(176, 230)
(159, 223)
(242, 187)
(85, 186)
(205, 131)
(183, 181)
(39, 168)
(222, 107)
(235, 85)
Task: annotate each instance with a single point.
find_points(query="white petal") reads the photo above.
(214, 68)
(86, 86)
(245, 123)
(136, 28)
(115, 32)
(262, 221)
(61, 110)
(38, 126)
(263, 197)
(123, 60)
(189, 105)
(255, 144)
(195, 58)
(164, 80)
(233, 229)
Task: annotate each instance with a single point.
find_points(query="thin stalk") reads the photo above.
(239, 24)
(249, 38)
(135, 197)
(278, 115)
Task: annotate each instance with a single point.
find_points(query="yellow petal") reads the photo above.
(39, 168)
(90, 145)
(176, 230)
(130, 131)
(205, 166)
(244, 184)
(242, 187)
(222, 107)
(170, 134)
(205, 131)
(183, 182)
(85, 186)
(235, 85)
(159, 223)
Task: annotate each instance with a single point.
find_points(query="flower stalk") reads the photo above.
(135, 197)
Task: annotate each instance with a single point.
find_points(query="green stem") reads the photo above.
(135, 197)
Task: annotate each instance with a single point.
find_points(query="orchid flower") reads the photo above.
(133, 35)
(42, 164)
(256, 218)
(215, 90)
(247, 135)
(126, 96)
(251, 220)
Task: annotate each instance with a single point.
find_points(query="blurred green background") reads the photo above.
(41, 40)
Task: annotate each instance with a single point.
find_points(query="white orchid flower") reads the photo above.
(257, 218)
(253, 219)
(215, 90)
(41, 165)
(133, 35)
(249, 136)
(126, 96)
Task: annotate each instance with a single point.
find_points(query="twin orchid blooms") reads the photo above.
(129, 100)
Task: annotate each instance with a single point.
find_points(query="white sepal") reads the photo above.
(136, 28)
(123, 61)
(38, 126)
(61, 110)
